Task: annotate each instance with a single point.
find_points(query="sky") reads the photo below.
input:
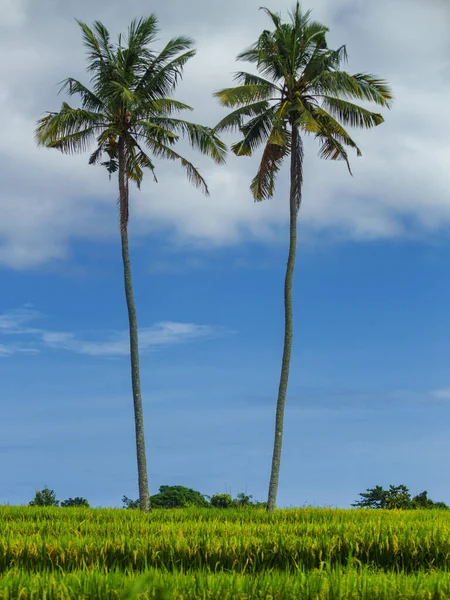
(369, 394)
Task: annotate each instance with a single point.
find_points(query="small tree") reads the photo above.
(44, 497)
(242, 500)
(74, 502)
(398, 496)
(422, 501)
(128, 503)
(221, 501)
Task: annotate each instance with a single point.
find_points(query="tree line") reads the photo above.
(301, 89)
(177, 496)
(169, 496)
(396, 497)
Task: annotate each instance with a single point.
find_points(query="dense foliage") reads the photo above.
(178, 496)
(72, 502)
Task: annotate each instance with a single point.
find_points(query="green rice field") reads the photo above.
(320, 554)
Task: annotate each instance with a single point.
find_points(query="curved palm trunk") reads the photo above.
(288, 322)
(144, 498)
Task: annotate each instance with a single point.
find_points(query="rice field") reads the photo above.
(320, 554)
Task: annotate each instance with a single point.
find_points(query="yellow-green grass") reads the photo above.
(241, 541)
(325, 584)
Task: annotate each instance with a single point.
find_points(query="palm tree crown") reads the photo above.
(129, 101)
(301, 85)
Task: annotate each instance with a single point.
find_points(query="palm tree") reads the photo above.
(300, 90)
(129, 115)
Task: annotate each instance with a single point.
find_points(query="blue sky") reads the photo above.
(368, 400)
(369, 393)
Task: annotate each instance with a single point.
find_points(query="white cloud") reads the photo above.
(18, 323)
(48, 200)
(9, 350)
(15, 321)
(441, 394)
(117, 344)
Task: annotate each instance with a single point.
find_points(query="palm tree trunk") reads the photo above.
(144, 497)
(288, 330)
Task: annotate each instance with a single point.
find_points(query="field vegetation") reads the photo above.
(214, 553)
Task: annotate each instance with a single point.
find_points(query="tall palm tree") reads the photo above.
(300, 90)
(129, 115)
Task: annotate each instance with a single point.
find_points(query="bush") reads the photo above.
(221, 501)
(72, 502)
(177, 496)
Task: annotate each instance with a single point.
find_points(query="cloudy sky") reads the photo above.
(369, 397)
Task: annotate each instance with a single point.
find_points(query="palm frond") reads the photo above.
(330, 127)
(374, 89)
(250, 79)
(235, 120)
(312, 33)
(270, 57)
(250, 54)
(102, 62)
(256, 132)
(276, 19)
(136, 161)
(96, 156)
(351, 114)
(120, 95)
(149, 130)
(60, 130)
(263, 184)
(265, 53)
(103, 40)
(200, 137)
(100, 51)
(142, 32)
(244, 94)
(332, 149)
(89, 100)
(173, 47)
(162, 76)
(73, 143)
(133, 60)
(161, 107)
(359, 86)
(193, 175)
(321, 61)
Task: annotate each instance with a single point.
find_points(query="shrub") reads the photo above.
(221, 501)
(71, 502)
(177, 496)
